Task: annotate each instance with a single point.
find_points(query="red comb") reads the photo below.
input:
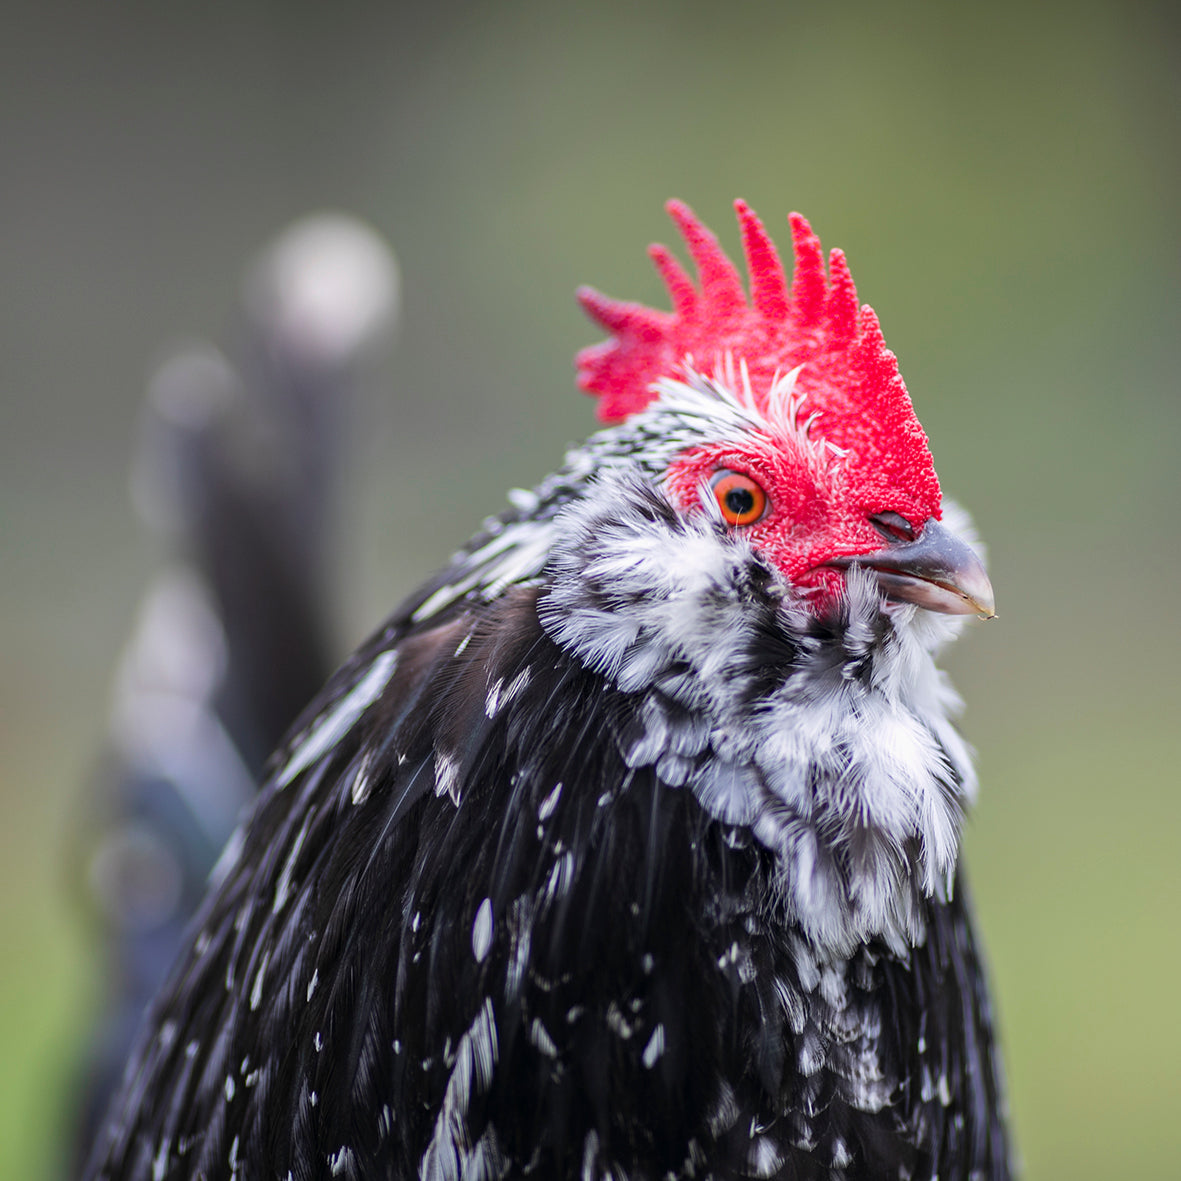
(849, 375)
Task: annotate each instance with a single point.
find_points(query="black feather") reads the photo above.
(644, 997)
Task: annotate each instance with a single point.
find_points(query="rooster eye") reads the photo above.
(892, 526)
(741, 500)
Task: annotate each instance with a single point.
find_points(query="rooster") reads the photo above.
(627, 847)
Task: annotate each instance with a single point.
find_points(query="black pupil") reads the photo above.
(739, 501)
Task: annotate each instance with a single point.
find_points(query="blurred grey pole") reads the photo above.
(238, 470)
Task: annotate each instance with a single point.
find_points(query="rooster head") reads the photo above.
(792, 422)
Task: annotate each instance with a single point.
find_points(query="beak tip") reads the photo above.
(980, 594)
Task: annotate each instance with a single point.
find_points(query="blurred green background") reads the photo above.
(1005, 180)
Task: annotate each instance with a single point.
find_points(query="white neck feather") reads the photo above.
(839, 755)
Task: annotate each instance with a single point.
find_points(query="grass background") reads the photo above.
(1004, 179)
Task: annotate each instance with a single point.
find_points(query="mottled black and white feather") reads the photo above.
(603, 859)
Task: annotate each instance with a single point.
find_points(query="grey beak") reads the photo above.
(936, 571)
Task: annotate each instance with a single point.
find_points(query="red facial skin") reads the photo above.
(813, 514)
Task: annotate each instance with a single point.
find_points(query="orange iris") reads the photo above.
(741, 500)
